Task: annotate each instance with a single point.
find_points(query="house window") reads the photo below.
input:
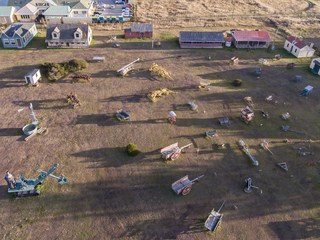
(6, 41)
(76, 12)
(54, 35)
(84, 12)
(288, 45)
(295, 50)
(25, 16)
(77, 35)
(12, 41)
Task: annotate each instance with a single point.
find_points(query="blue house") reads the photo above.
(18, 35)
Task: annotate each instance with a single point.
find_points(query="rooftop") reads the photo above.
(28, 9)
(67, 30)
(57, 11)
(5, 11)
(252, 36)
(201, 37)
(141, 27)
(18, 28)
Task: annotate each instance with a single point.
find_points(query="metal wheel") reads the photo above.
(186, 191)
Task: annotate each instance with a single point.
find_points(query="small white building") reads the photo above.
(315, 66)
(33, 77)
(298, 48)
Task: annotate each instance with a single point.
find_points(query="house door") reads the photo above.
(68, 44)
(291, 49)
(19, 42)
(316, 68)
(28, 80)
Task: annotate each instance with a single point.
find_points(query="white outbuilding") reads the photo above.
(33, 77)
(298, 48)
(315, 66)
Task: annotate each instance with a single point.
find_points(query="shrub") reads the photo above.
(55, 71)
(76, 65)
(237, 82)
(132, 149)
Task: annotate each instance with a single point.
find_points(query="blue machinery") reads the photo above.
(25, 187)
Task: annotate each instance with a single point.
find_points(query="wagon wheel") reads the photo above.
(174, 156)
(186, 191)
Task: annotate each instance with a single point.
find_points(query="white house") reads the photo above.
(68, 36)
(33, 77)
(298, 48)
(7, 15)
(315, 66)
(28, 13)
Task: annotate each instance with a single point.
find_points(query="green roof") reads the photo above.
(57, 11)
(5, 11)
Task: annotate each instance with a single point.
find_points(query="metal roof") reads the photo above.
(57, 11)
(67, 30)
(141, 27)
(201, 37)
(6, 11)
(252, 36)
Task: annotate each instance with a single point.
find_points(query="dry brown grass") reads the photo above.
(113, 196)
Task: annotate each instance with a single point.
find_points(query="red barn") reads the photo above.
(143, 30)
(251, 39)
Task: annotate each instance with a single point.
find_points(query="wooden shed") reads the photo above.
(143, 30)
(315, 66)
(201, 39)
(33, 77)
(251, 39)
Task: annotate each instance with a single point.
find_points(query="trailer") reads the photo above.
(214, 219)
(173, 151)
(183, 186)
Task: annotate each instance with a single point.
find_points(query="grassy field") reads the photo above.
(113, 196)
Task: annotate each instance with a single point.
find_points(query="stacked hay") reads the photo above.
(157, 70)
(156, 94)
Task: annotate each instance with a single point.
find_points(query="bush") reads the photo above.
(55, 71)
(76, 65)
(132, 150)
(237, 82)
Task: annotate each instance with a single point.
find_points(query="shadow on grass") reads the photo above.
(296, 229)
(45, 104)
(10, 132)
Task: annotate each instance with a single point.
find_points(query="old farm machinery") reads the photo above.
(242, 145)
(127, 68)
(183, 186)
(173, 151)
(26, 187)
(214, 219)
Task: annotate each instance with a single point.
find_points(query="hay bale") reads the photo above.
(156, 94)
(157, 70)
